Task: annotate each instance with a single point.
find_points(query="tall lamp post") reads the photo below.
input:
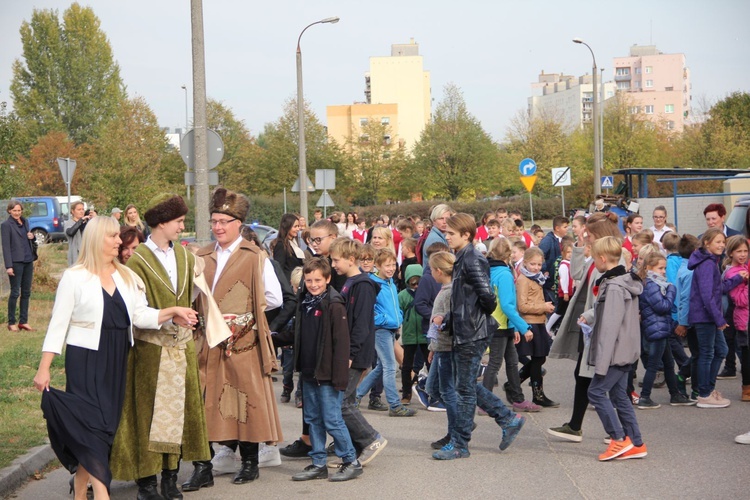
(301, 121)
(187, 120)
(595, 122)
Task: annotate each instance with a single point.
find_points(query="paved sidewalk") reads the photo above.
(691, 454)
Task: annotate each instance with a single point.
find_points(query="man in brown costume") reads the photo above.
(236, 374)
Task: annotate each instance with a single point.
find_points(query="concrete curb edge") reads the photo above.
(14, 475)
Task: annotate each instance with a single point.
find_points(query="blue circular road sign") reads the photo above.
(527, 167)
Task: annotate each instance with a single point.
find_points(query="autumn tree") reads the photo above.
(67, 79)
(130, 162)
(13, 142)
(454, 156)
(375, 162)
(39, 170)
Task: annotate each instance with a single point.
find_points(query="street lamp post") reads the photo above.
(301, 121)
(595, 122)
(187, 120)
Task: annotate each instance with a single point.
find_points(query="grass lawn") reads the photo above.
(21, 423)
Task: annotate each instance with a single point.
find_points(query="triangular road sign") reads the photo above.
(528, 182)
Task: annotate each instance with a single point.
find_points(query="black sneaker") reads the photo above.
(681, 400)
(726, 375)
(297, 449)
(441, 442)
(286, 395)
(347, 471)
(377, 405)
(647, 404)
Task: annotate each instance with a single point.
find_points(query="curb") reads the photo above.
(23, 467)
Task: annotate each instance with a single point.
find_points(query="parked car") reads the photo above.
(63, 200)
(737, 217)
(44, 216)
(266, 234)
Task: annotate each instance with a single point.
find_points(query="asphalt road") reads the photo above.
(691, 454)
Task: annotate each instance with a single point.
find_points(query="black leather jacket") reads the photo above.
(472, 298)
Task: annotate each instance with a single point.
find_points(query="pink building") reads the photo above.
(658, 85)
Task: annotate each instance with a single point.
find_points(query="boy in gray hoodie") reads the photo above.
(615, 345)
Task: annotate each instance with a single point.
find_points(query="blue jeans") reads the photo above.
(622, 422)
(20, 285)
(712, 349)
(360, 431)
(322, 411)
(470, 394)
(659, 354)
(386, 367)
(442, 365)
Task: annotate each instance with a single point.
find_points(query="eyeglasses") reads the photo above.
(367, 259)
(221, 223)
(318, 240)
(659, 216)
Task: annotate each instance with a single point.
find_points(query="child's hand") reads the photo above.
(582, 321)
(528, 336)
(550, 307)
(430, 356)
(516, 337)
(437, 320)
(566, 297)
(723, 327)
(744, 275)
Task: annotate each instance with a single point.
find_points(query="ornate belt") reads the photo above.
(240, 325)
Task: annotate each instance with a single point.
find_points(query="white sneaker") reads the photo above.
(225, 461)
(269, 456)
(743, 438)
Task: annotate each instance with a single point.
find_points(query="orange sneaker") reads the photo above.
(615, 449)
(634, 452)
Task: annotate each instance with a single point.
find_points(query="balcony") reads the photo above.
(622, 78)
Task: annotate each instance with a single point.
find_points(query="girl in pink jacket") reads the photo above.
(739, 307)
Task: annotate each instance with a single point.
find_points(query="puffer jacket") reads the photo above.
(472, 297)
(656, 310)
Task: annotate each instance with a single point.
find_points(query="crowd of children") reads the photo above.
(434, 297)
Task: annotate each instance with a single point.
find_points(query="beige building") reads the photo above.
(658, 85)
(566, 99)
(397, 89)
(345, 122)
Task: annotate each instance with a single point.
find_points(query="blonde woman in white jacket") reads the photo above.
(97, 303)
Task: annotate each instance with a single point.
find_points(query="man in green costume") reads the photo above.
(163, 418)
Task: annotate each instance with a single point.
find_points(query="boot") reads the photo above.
(539, 397)
(202, 477)
(249, 470)
(746, 393)
(147, 489)
(169, 485)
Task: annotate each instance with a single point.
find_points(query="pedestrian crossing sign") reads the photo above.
(608, 182)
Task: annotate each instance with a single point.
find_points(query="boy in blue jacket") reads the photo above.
(388, 319)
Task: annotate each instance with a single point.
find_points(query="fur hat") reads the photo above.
(230, 203)
(164, 208)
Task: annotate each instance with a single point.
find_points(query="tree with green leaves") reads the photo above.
(454, 156)
(131, 161)
(68, 79)
(13, 142)
(375, 161)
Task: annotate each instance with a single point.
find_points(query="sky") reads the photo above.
(492, 49)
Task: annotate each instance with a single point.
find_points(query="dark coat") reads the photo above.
(16, 245)
(551, 248)
(472, 298)
(707, 288)
(656, 310)
(424, 298)
(279, 317)
(360, 313)
(332, 355)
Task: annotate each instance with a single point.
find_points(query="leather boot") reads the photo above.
(539, 397)
(202, 476)
(249, 470)
(746, 393)
(147, 489)
(169, 485)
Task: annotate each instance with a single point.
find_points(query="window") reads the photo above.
(637, 71)
(669, 108)
(622, 71)
(649, 84)
(637, 84)
(386, 139)
(385, 120)
(364, 138)
(634, 110)
(623, 85)
(670, 125)
(648, 69)
(363, 122)
(649, 109)
(669, 89)
(610, 94)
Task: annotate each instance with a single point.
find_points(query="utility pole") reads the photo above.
(202, 230)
